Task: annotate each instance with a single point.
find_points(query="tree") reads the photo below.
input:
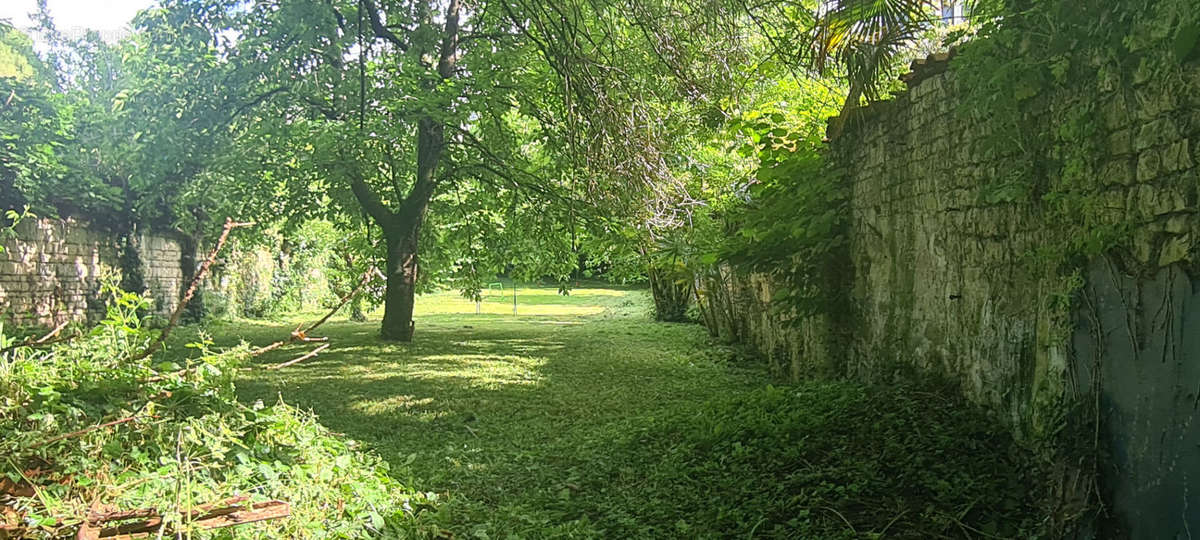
(17, 59)
(388, 110)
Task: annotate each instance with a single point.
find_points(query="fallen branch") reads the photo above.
(52, 333)
(301, 358)
(85, 431)
(367, 277)
(191, 290)
(268, 348)
(130, 418)
(44, 340)
(301, 335)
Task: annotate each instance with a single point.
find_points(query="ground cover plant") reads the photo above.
(578, 417)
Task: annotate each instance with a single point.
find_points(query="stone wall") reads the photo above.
(51, 271)
(946, 282)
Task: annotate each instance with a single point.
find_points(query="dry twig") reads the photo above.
(84, 431)
(44, 340)
(301, 358)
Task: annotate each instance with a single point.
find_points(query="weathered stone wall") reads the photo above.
(942, 278)
(948, 281)
(51, 271)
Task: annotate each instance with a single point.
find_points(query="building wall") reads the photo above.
(949, 282)
(51, 271)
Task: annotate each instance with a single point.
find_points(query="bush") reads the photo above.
(191, 443)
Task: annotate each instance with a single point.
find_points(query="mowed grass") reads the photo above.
(506, 417)
(580, 417)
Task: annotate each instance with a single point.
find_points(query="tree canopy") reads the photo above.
(474, 136)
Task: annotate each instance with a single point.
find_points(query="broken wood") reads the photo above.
(44, 340)
(52, 333)
(301, 358)
(301, 335)
(297, 335)
(267, 348)
(230, 225)
(122, 515)
(130, 418)
(226, 513)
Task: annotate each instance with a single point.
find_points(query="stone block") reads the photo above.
(1177, 248)
(1143, 246)
(1156, 132)
(1179, 224)
(1119, 172)
(1153, 102)
(1116, 114)
(1177, 157)
(1120, 143)
(1154, 201)
(1149, 165)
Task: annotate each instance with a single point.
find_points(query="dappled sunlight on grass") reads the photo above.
(479, 370)
(594, 422)
(530, 301)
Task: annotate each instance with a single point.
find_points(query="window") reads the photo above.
(952, 11)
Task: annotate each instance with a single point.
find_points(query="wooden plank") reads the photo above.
(203, 517)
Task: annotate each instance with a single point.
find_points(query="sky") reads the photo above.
(73, 16)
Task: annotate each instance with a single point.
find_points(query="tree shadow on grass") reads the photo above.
(508, 417)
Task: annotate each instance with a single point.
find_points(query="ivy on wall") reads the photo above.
(1055, 84)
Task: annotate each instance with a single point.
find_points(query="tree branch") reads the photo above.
(368, 198)
(257, 100)
(380, 29)
(191, 291)
(300, 358)
(449, 52)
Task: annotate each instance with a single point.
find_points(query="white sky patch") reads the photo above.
(74, 17)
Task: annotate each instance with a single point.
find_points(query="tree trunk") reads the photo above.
(671, 295)
(402, 227)
(400, 294)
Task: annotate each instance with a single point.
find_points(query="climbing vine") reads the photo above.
(1054, 85)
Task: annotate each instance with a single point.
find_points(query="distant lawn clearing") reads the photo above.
(579, 417)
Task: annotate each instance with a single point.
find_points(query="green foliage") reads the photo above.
(17, 59)
(1010, 74)
(579, 419)
(835, 460)
(190, 444)
(793, 227)
(36, 128)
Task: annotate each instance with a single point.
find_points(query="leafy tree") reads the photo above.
(415, 113)
(17, 59)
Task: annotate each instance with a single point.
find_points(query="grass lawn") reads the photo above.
(580, 417)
